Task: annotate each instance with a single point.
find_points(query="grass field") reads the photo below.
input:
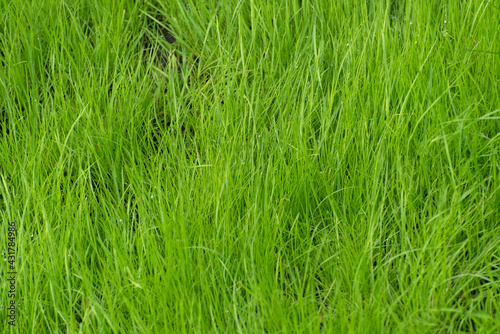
(323, 167)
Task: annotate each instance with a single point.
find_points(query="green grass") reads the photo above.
(329, 166)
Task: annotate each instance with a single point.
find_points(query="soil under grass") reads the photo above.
(250, 166)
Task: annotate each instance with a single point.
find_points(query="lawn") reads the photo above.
(289, 166)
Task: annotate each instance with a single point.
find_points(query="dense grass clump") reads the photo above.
(292, 166)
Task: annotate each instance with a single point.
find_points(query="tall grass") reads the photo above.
(327, 166)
